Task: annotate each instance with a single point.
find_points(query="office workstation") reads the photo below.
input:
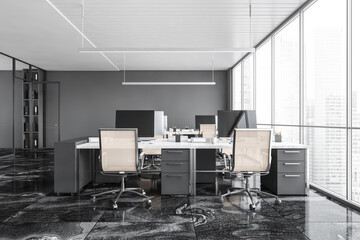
(179, 119)
(199, 153)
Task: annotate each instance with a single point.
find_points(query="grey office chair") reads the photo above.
(119, 156)
(251, 154)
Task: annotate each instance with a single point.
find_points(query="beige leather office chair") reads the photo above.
(208, 130)
(152, 154)
(251, 154)
(119, 156)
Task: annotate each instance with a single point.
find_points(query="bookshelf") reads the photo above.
(33, 107)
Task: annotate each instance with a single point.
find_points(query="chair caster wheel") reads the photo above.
(93, 200)
(115, 206)
(148, 204)
(277, 201)
(252, 206)
(143, 192)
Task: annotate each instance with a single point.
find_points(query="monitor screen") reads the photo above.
(204, 119)
(143, 120)
(228, 120)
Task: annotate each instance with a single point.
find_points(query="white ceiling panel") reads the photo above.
(40, 35)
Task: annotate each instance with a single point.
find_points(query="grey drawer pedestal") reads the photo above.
(287, 174)
(175, 172)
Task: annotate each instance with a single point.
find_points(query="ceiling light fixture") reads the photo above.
(80, 32)
(166, 50)
(168, 83)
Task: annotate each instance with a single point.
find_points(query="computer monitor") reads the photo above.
(143, 120)
(229, 120)
(204, 119)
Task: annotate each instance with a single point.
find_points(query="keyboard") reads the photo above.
(146, 139)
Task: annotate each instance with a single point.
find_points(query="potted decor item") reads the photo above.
(278, 137)
(177, 137)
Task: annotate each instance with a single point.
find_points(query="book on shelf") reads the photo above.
(35, 94)
(36, 108)
(26, 127)
(26, 110)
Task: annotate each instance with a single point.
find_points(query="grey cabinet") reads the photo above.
(175, 173)
(72, 168)
(287, 174)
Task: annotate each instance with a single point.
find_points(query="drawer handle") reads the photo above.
(174, 163)
(291, 164)
(291, 151)
(291, 175)
(174, 151)
(168, 175)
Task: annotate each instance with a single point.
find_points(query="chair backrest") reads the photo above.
(208, 130)
(119, 149)
(252, 150)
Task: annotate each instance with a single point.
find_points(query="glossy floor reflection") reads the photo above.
(30, 210)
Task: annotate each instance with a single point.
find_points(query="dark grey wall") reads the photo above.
(88, 100)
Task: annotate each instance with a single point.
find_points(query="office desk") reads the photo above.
(164, 144)
(221, 144)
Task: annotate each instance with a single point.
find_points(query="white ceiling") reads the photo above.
(32, 30)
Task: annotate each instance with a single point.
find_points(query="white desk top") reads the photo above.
(163, 143)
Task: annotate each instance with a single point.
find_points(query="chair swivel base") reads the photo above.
(248, 191)
(151, 166)
(137, 191)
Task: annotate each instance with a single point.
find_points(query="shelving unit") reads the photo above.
(33, 109)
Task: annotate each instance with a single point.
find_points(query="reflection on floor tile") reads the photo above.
(57, 209)
(129, 230)
(30, 210)
(64, 230)
(332, 231)
(163, 209)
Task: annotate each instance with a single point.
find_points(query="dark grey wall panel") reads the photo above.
(89, 99)
(51, 114)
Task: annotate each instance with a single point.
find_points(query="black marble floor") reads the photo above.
(30, 210)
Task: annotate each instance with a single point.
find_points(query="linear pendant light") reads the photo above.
(167, 83)
(166, 50)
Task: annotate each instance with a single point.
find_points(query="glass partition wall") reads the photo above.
(29, 126)
(6, 107)
(307, 85)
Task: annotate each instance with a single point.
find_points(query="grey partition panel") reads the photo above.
(159, 125)
(72, 169)
(205, 160)
(165, 122)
